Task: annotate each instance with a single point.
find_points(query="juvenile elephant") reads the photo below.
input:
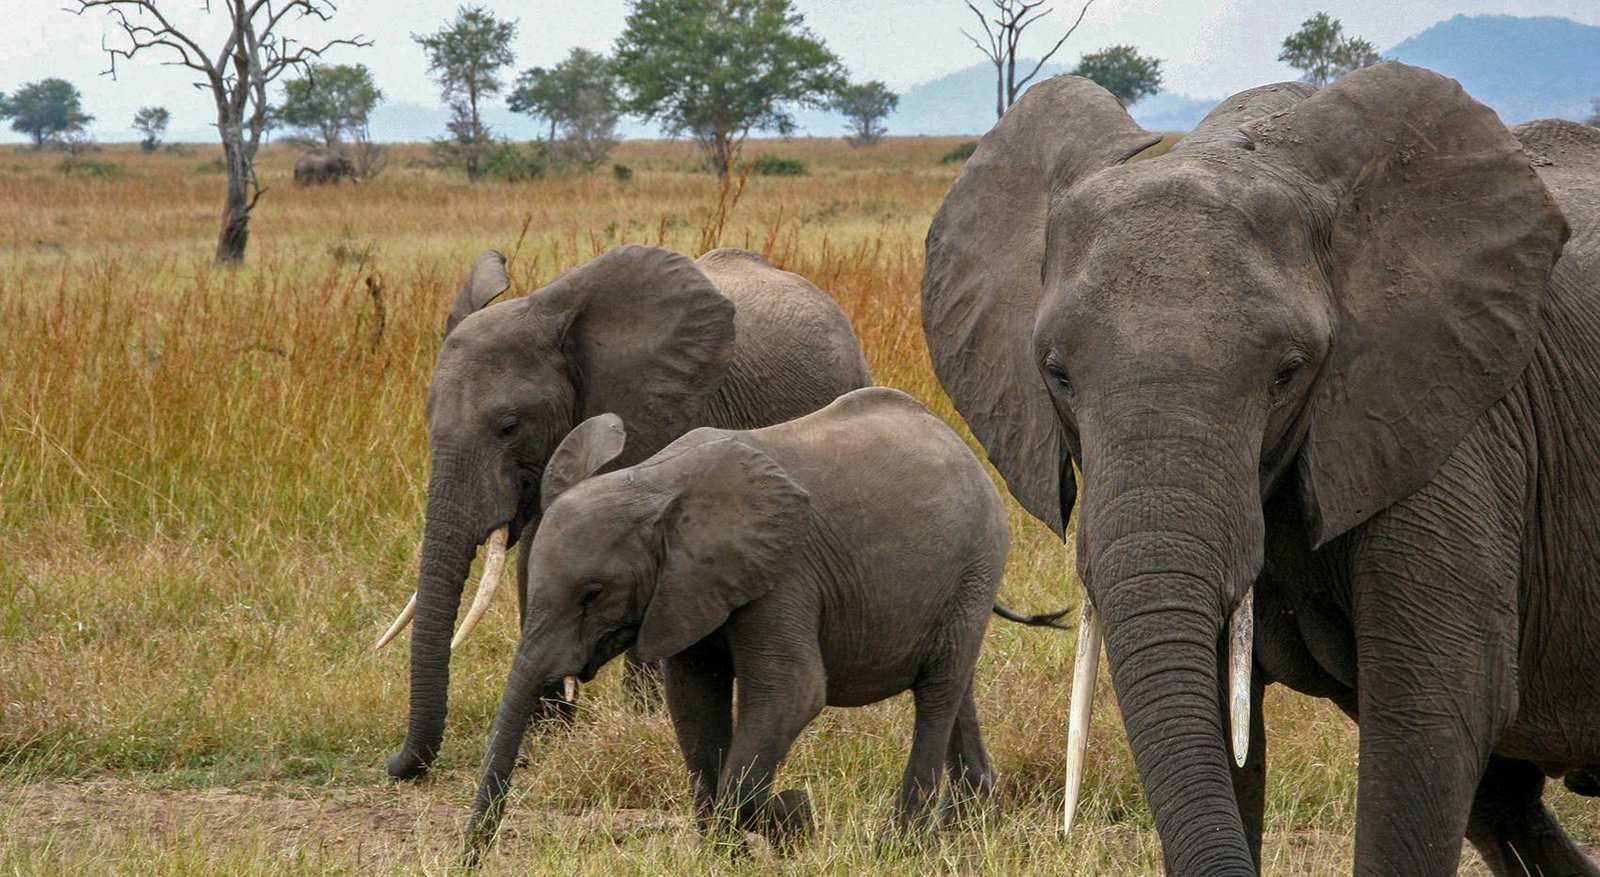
(324, 167)
(838, 559)
(1333, 386)
(666, 343)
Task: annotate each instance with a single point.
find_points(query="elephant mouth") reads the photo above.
(610, 645)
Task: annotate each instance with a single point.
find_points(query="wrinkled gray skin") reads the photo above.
(838, 559)
(1325, 347)
(667, 343)
(324, 167)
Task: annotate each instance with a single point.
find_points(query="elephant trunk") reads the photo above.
(529, 677)
(449, 542)
(1171, 541)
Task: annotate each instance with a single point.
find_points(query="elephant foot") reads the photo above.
(789, 821)
(1583, 781)
(409, 763)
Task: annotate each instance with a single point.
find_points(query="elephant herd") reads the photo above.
(1329, 374)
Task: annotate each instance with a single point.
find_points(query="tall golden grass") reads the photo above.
(211, 490)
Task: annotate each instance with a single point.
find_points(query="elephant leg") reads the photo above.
(1514, 832)
(1250, 781)
(939, 699)
(1435, 615)
(972, 783)
(779, 694)
(700, 701)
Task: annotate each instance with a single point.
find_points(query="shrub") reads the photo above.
(773, 166)
(961, 152)
(73, 166)
(622, 172)
(512, 164)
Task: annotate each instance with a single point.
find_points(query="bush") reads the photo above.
(512, 164)
(773, 166)
(74, 166)
(622, 172)
(961, 153)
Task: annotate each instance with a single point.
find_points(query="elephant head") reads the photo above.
(1316, 292)
(657, 555)
(638, 332)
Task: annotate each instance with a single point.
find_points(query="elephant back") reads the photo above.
(794, 350)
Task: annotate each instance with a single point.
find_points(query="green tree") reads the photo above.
(46, 111)
(465, 57)
(1122, 71)
(1322, 53)
(865, 106)
(152, 123)
(330, 103)
(716, 69)
(579, 97)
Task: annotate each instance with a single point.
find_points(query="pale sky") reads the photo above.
(1211, 49)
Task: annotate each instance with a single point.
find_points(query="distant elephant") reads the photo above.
(322, 168)
(1333, 386)
(667, 343)
(838, 559)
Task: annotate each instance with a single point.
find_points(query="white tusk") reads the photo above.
(1241, 649)
(494, 559)
(399, 623)
(569, 688)
(1085, 670)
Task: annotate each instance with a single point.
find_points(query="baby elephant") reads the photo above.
(840, 558)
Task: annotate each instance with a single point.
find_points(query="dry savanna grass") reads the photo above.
(211, 495)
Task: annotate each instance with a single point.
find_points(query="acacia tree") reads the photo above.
(465, 57)
(1121, 70)
(45, 111)
(330, 103)
(1322, 53)
(864, 106)
(578, 96)
(1003, 36)
(152, 123)
(252, 56)
(716, 69)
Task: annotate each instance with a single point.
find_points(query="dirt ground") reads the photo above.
(371, 829)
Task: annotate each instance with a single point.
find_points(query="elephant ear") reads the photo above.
(648, 337)
(1440, 242)
(589, 447)
(1221, 126)
(981, 285)
(731, 519)
(487, 282)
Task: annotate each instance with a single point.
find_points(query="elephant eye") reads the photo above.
(590, 594)
(1057, 370)
(1289, 371)
(508, 428)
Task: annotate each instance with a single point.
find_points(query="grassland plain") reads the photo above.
(211, 497)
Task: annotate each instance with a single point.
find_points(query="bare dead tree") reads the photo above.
(1003, 34)
(253, 55)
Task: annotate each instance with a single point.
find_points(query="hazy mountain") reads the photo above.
(1526, 68)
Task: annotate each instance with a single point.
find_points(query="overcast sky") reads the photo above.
(1211, 49)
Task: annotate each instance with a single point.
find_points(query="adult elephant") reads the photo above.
(324, 167)
(1331, 383)
(667, 343)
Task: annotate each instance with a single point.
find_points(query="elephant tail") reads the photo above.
(1044, 619)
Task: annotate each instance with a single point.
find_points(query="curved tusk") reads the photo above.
(494, 560)
(1241, 649)
(569, 688)
(1085, 670)
(399, 623)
